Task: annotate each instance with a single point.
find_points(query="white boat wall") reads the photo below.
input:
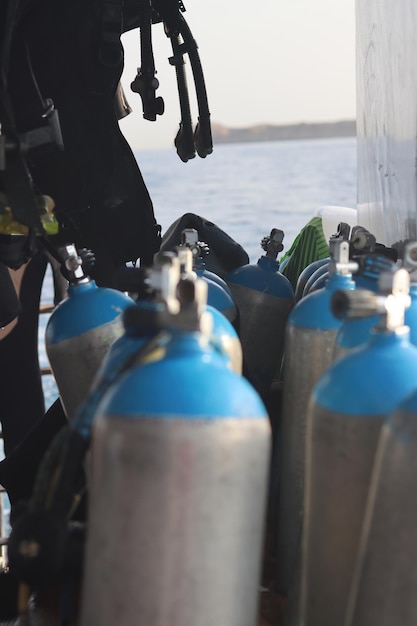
(386, 65)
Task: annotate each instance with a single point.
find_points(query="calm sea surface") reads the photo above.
(246, 189)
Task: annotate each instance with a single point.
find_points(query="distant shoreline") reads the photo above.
(269, 132)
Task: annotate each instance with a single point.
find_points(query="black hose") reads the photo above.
(202, 135)
(184, 141)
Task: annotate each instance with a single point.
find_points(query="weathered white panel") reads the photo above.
(386, 46)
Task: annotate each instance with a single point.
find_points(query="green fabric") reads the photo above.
(309, 245)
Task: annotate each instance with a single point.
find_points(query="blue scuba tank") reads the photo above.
(411, 314)
(387, 556)
(80, 331)
(365, 252)
(306, 275)
(317, 280)
(225, 338)
(315, 275)
(372, 258)
(348, 407)
(309, 346)
(410, 264)
(223, 335)
(141, 327)
(219, 295)
(357, 325)
(264, 298)
(180, 449)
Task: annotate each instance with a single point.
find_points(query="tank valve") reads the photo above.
(73, 263)
(339, 253)
(390, 303)
(272, 244)
(410, 260)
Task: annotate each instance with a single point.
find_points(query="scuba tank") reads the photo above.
(219, 295)
(80, 331)
(306, 274)
(315, 275)
(347, 409)
(317, 280)
(366, 252)
(264, 298)
(174, 443)
(223, 335)
(410, 264)
(372, 258)
(309, 345)
(199, 250)
(225, 338)
(385, 579)
(357, 323)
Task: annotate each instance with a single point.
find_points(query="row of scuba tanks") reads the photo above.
(344, 516)
(175, 443)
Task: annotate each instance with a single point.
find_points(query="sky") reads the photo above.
(269, 62)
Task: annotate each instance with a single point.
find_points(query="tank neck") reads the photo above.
(81, 287)
(384, 337)
(199, 265)
(186, 344)
(267, 263)
(338, 281)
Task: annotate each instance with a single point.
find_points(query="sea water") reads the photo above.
(249, 188)
(246, 189)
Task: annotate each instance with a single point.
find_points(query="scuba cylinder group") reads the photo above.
(348, 407)
(264, 298)
(149, 325)
(306, 275)
(309, 346)
(80, 331)
(356, 328)
(174, 442)
(141, 326)
(315, 275)
(385, 579)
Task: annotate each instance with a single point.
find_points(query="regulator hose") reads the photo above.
(202, 135)
(184, 141)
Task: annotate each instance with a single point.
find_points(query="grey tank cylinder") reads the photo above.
(75, 362)
(176, 522)
(340, 455)
(384, 586)
(262, 320)
(308, 353)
